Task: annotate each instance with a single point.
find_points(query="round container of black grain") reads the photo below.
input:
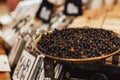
(78, 44)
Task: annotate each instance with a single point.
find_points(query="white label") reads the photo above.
(72, 9)
(40, 75)
(24, 66)
(4, 64)
(45, 13)
(58, 70)
(37, 72)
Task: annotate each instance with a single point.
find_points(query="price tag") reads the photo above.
(40, 73)
(24, 66)
(45, 10)
(37, 72)
(4, 64)
(73, 7)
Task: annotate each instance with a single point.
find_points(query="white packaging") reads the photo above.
(27, 7)
(24, 66)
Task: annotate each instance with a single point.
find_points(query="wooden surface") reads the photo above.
(3, 75)
(94, 19)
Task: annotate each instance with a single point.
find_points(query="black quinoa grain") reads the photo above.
(79, 43)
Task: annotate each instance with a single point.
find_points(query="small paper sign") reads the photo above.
(4, 64)
(45, 10)
(73, 7)
(24, 66)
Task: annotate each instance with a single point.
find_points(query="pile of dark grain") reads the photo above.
(79, 43)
